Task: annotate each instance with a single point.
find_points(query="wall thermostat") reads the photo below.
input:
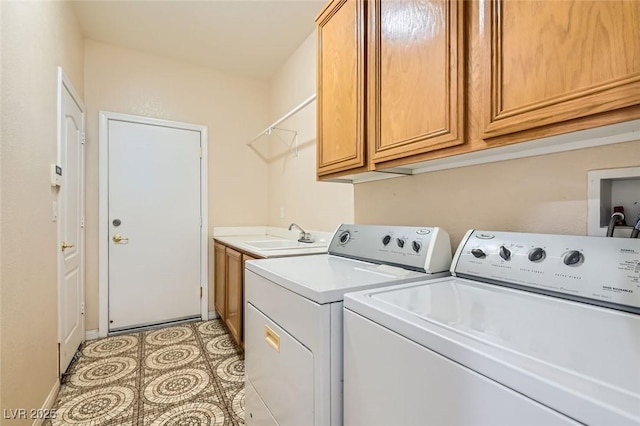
(56, 175)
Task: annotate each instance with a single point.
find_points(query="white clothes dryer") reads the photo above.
(293, 316)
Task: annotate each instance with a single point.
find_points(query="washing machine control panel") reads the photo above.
(599, 269)
(425, 249)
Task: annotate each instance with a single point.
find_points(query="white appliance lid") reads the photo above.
(581, 360)
(325, 278)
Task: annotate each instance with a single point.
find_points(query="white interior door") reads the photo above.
(70, 231)
(154, 214)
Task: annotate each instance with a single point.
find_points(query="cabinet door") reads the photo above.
(220, 280)
(416, 70)
(234, 293)
(340, 92)
(245, 257)
(549, 62)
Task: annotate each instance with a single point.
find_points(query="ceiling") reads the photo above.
(251, 38)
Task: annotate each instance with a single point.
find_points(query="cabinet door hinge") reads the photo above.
(200, 152)
(200, 292)
(81, 221)
(83, 138)
(82, 308)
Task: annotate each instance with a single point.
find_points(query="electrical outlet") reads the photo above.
(281, 212)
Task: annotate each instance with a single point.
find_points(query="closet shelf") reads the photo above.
(274, 126)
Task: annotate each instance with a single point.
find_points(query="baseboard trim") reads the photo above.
(91, 335)
(48, 403)
(213, 315)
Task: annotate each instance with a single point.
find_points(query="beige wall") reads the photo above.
(546, 194)
(36, 38)
(292, 180)
(127, 81)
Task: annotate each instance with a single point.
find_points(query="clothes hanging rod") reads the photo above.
(283, 118)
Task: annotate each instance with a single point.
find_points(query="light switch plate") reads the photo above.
(56, 175)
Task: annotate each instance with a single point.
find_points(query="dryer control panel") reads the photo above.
(604, 271)
(424, 249)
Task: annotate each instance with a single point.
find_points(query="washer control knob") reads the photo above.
(537, 254)
(416, 246)
(400, 242)
(386, 239)
(505, 253)
(344, 237)
(572, 257)
(478, 253)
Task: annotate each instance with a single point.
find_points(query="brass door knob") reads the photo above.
(118, 238)
(64, 245)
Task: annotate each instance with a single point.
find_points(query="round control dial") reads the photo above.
(478, 253)
(386, 239)
(416, 246)
(400, 242)
(344, 237)
(505, 253)
(537, 254)
(573, 257)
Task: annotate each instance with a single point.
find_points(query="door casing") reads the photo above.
(64, 84)
(103, 208)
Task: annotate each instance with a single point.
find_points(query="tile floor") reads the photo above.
(191, 374)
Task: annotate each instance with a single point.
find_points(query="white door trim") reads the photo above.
(103, 209)
(64, 83)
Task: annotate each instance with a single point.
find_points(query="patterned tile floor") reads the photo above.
(191, 374)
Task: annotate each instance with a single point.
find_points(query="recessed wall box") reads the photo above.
(56, 175)
(608, 189)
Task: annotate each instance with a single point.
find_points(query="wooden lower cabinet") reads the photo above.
(229, 288)
(234, 293)
(220, 286)
(245, 257)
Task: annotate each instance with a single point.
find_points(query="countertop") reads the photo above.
(240, 238)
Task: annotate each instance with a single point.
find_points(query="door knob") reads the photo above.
(64, 245)
(118, 238)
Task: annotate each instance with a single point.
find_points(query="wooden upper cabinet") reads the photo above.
(416, 77)
(449, 77)
(549, 62)
(341, 86)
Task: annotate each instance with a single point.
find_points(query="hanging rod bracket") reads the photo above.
(293, 142)
(269, 130)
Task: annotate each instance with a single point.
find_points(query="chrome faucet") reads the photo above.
(305, 237)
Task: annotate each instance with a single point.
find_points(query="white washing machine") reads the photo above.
(293, 316)
(531, 329)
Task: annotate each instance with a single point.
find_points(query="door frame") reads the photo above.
(64, 84)
(103, 210)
